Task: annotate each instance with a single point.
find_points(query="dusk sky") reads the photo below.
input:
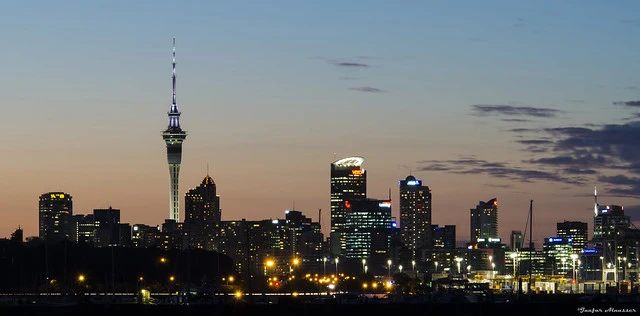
(514, 100)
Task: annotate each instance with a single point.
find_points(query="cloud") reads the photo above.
(534, 141)
(367, 89)
(515, 120)
(471, 165)
(628, 103)
(346, 64)
(631, 88)
(510, 110)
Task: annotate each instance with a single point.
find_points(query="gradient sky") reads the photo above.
(514, 100)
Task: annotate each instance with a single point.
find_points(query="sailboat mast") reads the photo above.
(530, 244)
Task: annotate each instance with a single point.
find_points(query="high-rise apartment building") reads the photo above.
(55, 216)
(415, 215)
(173, 137)
(484, 220)
(348, 183)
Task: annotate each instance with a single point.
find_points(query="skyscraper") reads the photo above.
(368, 231)
(415, 215)
(55, 216)
(348, 183)
(484, 220)
(174, 136)
(202, 213)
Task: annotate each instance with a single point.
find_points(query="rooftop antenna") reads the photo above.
(389, 193)
(207, 168)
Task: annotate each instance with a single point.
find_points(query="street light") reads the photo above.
(469, 269)
(389, 264)
(413, 266)
(493, 270)
(436, 266)
(400, 268)
(324, 266)
(336, 267)
(513, 256)
(364, 261)
(268, 264)
(458, 260)
(573, 272)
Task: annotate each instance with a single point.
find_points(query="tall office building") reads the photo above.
(348, 183)
(109, 231)
(576, 231)
(55, 216)
(484, 220)
(202, 214)
(173, 137)
(444, 237)
(368, 231)
(415, 215)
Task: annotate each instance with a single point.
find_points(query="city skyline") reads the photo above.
(514, 101)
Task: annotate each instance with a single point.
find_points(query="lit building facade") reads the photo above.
(55, 216)
(558, 251)
(202, 214)
(368, 231)
(348, 183)
(415, 215)
(576, 231)
(484, 221)
(173, 137)
(444, 237)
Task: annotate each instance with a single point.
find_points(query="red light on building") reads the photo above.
(347, 204)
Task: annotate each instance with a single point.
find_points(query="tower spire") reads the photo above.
(174, 114)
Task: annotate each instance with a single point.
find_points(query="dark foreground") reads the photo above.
(295, 309)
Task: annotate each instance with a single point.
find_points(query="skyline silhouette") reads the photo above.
(515, 101)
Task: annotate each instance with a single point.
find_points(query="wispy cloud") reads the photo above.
(510, 110)
(348, 64)
(367, 89)
(628, 103)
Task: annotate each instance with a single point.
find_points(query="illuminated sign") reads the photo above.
(57, 196)
(555, 239)
(495, 203)
(385, 204)
(394, 225)
(347, 204)
(414, 182)
(589, 250)
(495, 239)
(356, 172)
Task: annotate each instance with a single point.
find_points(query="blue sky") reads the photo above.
(475, 98)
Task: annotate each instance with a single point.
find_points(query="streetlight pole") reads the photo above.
(364, 261)
(413, 266)
(400, 268)
(573, 272)
(458, 260)
(436, 266)
(336, 267)
(602, 267)
(389, 264)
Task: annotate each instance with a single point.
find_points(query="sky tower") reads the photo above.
(174, 136)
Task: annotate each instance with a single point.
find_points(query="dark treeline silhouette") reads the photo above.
(67, 267)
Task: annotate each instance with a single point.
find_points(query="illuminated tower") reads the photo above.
(415, 215)
(173, 137)
(55, 212)
(348, 183)
(484, 221)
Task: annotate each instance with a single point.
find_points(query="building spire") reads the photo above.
(174, 114)
(595, 199)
